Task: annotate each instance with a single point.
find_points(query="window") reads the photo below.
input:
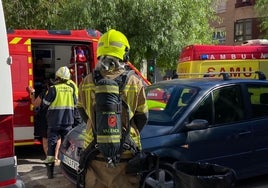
(219, 35)
(243, 30)
(44, 53)
(165, 102)
(220, 6)
(204, 110)
(224, 105)
(228, 105)
(259, 100)
(242, 3)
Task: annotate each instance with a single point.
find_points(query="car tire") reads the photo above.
(163, 177)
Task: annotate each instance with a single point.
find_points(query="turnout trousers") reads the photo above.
(100, 176)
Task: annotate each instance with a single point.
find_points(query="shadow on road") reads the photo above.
(33, 171)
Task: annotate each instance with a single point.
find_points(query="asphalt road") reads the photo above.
(33, 172)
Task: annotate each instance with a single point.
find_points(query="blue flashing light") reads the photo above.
(203, 56)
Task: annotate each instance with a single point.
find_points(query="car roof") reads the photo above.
(206, 82)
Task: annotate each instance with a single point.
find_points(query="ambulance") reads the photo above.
(211, 60)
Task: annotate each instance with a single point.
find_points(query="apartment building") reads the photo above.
(238, 22)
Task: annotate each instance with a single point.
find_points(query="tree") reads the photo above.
(155, 28)
(32, 14)
(261, 7)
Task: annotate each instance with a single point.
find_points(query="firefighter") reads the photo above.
(112, 52)
(60, 102)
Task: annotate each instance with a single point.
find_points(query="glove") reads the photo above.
(142, 162)
(30, 90)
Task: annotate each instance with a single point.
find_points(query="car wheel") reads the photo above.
(163, 177)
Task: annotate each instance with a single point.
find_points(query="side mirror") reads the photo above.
(197, 124)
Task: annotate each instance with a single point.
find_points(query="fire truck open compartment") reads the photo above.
(55, 54)
(75, 49)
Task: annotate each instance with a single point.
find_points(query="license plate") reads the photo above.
(70, 162)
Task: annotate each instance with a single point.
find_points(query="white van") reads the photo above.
(9, 177)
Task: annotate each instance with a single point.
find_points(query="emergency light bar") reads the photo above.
(204, 57)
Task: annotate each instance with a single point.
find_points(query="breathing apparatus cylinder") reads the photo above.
(108, 118)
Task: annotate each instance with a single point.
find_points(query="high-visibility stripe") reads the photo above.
(27, 143)
(21, 40)
(108, 139)
(15, 40)
(61, 107)
(107, 89)
(28, 42)
(86, 87)
(31, 107)
(142, 108)
(30, 82)
(30, 60)
(31, 119)
(30, 72)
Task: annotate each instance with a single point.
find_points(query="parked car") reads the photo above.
(219, 120)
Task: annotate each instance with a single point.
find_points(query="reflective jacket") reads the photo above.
(133, 94)
(61, 100)
(73, 84)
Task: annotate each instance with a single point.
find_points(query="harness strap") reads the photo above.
(110, 107)
(86, 156)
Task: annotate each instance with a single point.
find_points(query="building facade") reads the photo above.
(238, 22)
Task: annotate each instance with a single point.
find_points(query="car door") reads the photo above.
(258, 96)
(227, 140)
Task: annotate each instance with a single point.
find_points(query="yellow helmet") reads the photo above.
(63, 73)
(113, 43)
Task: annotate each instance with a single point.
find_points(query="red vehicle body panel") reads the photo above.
(219, 52)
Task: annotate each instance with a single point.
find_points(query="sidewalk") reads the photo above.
(33, 173)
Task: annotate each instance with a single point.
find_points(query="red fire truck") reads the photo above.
(73, 48)
(238, 61)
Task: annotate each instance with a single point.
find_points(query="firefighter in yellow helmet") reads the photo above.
(112, 53)
(60, 102)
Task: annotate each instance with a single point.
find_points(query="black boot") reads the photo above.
(50, 170)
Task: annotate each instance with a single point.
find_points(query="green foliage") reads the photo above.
(261, 7)
(155, 28)
(32, 14)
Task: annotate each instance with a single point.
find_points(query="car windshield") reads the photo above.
(165, 101)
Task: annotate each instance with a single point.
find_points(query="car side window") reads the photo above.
(228, 105)
(223, 105)
(259, 100)
(204, 110)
